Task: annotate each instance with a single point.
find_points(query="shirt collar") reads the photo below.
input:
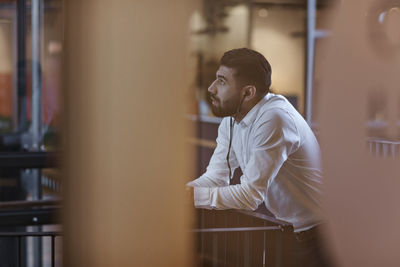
(251, 115)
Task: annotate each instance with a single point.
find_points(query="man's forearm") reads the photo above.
(239, 196)
(205, 181)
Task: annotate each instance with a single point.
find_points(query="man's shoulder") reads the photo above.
(273, 101)
(276, 105)
(277, 108)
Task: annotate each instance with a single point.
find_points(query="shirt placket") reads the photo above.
(246, 145)
(243, 144)
(237, 145)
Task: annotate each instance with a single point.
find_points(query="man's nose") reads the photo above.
(211, 88)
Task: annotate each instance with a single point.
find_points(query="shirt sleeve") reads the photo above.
(273, 139)
(217, 173)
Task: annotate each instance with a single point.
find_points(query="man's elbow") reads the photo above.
(253, 198)
(250, 208)
(252, 203)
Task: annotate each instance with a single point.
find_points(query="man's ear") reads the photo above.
(249, 92)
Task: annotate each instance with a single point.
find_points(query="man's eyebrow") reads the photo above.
(221, 76)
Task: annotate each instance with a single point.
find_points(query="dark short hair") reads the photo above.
(251, 68)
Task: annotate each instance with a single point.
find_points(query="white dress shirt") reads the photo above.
(280, 160)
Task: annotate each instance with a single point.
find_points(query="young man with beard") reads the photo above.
(264, 135)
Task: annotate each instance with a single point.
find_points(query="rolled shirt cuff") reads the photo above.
(192, 184)
(202, 197)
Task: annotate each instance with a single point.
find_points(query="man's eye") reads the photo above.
(221, 81)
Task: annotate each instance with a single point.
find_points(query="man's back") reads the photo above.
(293, 194)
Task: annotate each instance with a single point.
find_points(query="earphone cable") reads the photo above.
(229, 148)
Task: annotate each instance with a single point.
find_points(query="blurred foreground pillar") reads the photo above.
(360, 92)
(124, 84)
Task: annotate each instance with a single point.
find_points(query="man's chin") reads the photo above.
(219, 113)
(216, 112)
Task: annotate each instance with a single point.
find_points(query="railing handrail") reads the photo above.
(29, 203)
(263, 216)
(237, 229)
(382, 141)
(30, 234)
(29, 159)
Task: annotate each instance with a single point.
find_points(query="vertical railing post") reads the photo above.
(279, 248)
(202, 223)
(385, 150)
(21, 65)
(246, 249)
(393, 150)
(214, 242)
(237, 242)
(311, 10)
(19, 251)
(36, 74)
(265, 247)
(53, 251)
(225, 238)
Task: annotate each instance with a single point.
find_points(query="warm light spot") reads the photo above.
(263, 13)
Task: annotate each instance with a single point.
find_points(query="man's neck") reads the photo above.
(239, 117)
(246, 107)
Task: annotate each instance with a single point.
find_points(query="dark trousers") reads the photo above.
(309, 249)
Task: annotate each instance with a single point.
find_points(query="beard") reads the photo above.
(219, 111)
(223, 109)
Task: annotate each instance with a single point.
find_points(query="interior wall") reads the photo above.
(279, 34)
(206, 49)
(124, 84)
(213, 46)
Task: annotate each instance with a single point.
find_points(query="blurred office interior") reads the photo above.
(104, 117)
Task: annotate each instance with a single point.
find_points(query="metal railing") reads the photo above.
(384, 148)
(32, 217)
(239, 238)
(20, 236)
(25, 225)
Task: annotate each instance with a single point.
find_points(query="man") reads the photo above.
(273, 145)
